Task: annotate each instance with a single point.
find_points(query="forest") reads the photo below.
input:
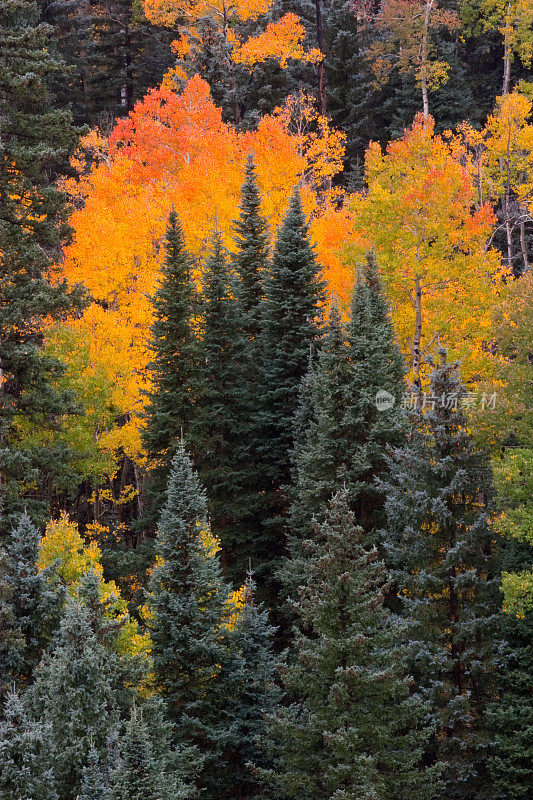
(266, 390)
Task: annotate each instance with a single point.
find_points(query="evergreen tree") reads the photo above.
(342, 436)
(189, 613)
(36, 142)
(377, 368)
(294, 295)
(249, 693)
(213, 663)
(445, 561)
(32, 603)
(94, 784)
(74, 692)
(251, 259)
(174, 366)
(510, 718)
(353, 729)
(114, 55)
(25, 769)
(250, 264)
(11, 641)
(217, 433)
(140, 775)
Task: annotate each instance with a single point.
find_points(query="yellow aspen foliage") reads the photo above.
(420, 217)
(172, 151)
(64, 546)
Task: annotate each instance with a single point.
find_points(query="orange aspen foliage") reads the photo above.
(173, 151)
(280, 41)
(501, 158)
(419, 215)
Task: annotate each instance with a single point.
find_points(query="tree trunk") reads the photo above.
(417, 339)
(523, 245)
(424, 60)
(322, 94)
(506, 55)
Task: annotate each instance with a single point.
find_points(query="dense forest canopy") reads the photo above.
(266, 349)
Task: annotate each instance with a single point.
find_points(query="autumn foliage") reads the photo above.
(175, 151)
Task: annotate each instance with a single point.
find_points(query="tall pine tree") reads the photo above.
(189, 613)
(75, 693)
(213, 662)
(291, 325)
(173, 368)
(140, 774)
(341, 434)
(36, 141)
(251, 258)
(249, 693)
(31, 606)
(250, 264)
(25, 766)
(217, 433)
(444, 559)
(353, 729)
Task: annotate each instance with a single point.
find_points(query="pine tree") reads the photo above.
(114, 53)
(36, 142)
(174, 366)
(342, 437)
(249, 693)
(323, 442)
(11, 640)
(217, 433)
(140, 775)
(32, 605)
(251, 259)
(510, 718)
(189, 613)
(377, 368)
(353, 729)
(294, 296)
(25, 770)
(95, 783)
(445, 562)
(74, 691)
(249, 264)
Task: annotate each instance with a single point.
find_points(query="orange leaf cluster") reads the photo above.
(281, 41)
(174, 150)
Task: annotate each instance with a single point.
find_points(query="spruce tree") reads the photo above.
(322, 437)
(25, 769)
(377, 368)
(140, 775)
(31, 606)
(249, 264)
(510, 717)
(341, 436)
(173, 368)
(217, 433)
(251, 258)
(36, 142)
(75, 693)
(95, 781)
(353, 729)
(291, 324)
(11, 640)
(444, 559)
(189, 613)
(249, 693)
